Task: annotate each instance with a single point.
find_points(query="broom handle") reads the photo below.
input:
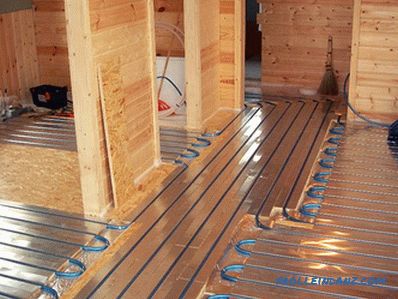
(330, 51)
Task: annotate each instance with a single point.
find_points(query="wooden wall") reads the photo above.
(232, 18)
(18, 57)
(374, 76)
(295, 35)
(123, 49)
(34, 48)
(51, 40)
(171, 12)
(210, 56)
(214, 57)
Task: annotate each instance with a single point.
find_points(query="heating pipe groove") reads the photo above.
(330, 151)
(316, 192)
(310, 209)
(60, 274)
(72, 261)
(192, 154)
(335, 140)
(46, 289)
(321, 177)
(82, 219)
(239, 247)
(327, 163)
(337, 130)
(84, 247)
(226, 296)
(232, 268)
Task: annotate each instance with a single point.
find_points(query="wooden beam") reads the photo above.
(193, 63)
(86, 107)
(240, 46)
(354, 55)
(152, 61)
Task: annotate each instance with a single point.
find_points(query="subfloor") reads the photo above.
(283, 190)
(178, 235)
(44, 250)
(349, 247)
(39, 162)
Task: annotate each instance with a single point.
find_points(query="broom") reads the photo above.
(329, 82)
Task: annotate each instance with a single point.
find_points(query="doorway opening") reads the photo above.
(253, 48)
(170, 64)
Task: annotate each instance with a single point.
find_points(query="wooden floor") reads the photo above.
(177, 236)
(352, 201)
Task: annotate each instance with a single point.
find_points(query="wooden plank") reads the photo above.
(152, 74)
(193, 64)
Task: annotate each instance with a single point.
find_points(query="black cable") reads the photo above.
(368, 120)
(171, 82)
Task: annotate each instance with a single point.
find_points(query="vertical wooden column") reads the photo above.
(240, 46)
(354, 55)
(214, 46)
(193, 70)
(152, 69)
(86, 106)
(232, 52)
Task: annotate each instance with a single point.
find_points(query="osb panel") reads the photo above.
(43, 177)
(295, 35)
(114, 112)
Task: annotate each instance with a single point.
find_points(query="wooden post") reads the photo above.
(193, 63)
(152, 56)
(354, 55)
(86, 107)
(240, 47)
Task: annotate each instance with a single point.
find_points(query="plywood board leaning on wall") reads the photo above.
(295, 35)
(374, 73)
(18, 56)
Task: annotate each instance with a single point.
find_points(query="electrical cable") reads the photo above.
(179, 34)
(368, 120)
(172, 83)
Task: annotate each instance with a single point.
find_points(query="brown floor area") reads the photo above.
(40, 176)
(51, 178)
(179, 228)
(149, 186)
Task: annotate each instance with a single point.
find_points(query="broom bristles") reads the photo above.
(329, 84)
